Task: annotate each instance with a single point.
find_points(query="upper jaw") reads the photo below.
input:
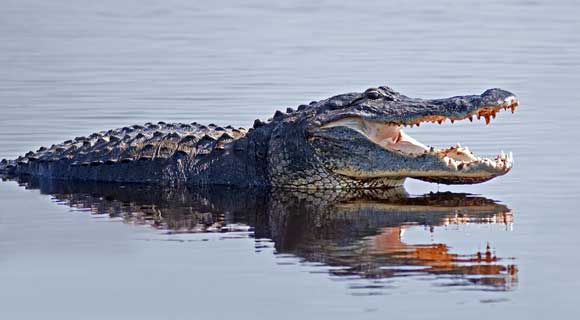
(410, 111)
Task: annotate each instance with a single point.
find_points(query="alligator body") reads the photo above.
(349, 141)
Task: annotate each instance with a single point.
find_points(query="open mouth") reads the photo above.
(390, 136)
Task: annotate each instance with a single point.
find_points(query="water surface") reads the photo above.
(70, 68)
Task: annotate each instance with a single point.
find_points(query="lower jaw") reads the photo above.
(389, 179)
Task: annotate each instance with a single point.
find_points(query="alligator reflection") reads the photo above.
(359, 232)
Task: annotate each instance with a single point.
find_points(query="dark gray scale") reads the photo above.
(148, 151)
(22, 161)
(185, 127)
(92, 158)
(201, 130)
(45, 155)
(236, 133)
(57, 153)
(224, 140)
(241, 144)
(115, 146)
(168, 145)
(205, 145)
(134, 146)
(127, 130)
(116, 151)
(100, 158)
(85, 148)
(150, 146)
(60, 152)
(101, 151)
(41, 155)
(186, 145)
(215, 133)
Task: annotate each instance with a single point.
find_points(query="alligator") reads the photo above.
(349, 141)
(359, 233)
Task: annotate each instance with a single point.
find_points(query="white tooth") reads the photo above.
(502, 155)
(458, 145)
(511, 155)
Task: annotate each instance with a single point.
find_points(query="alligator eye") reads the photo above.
(373, 94)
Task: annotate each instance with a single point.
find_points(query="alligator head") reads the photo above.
(357, 140)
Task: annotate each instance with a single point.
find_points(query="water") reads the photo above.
(70, 68)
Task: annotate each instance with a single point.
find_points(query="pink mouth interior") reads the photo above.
(393, 138)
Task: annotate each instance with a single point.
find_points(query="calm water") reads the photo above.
(506, 248)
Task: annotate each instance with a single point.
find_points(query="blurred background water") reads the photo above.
(69, 68)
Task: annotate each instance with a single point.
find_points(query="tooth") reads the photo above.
(511, 155)
(457, 145)
(487, 120)
(502, 155)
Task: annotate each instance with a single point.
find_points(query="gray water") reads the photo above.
(69, 68)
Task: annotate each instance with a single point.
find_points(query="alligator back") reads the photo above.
(162, 153)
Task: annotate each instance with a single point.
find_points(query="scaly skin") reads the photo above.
(305, 148)
(359, 231)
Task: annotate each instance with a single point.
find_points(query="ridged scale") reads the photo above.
(137, 143)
